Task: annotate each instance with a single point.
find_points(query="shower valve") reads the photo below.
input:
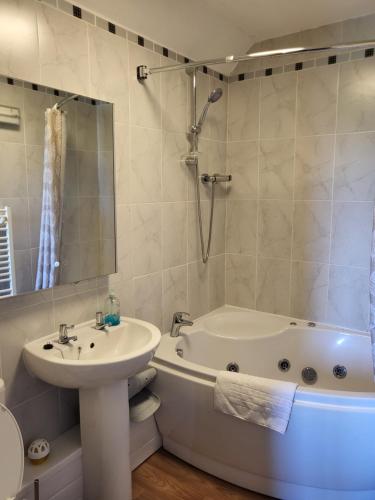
(206, 178)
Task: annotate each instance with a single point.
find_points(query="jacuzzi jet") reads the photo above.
(340, 371)
(284, 365)
(309, 375)
(233, 367)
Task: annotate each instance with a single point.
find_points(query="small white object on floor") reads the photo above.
(262, 401)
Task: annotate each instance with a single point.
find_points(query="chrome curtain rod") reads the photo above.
(144, 71)
(67, 99)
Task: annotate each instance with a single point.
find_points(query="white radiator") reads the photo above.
(7, 269)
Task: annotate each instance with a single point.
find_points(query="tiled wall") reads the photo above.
(158, 254)
(301, 148)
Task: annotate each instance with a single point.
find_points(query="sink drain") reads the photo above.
(233, 367)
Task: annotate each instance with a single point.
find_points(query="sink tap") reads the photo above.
(63, 334)
(100, 324)
(179, 321)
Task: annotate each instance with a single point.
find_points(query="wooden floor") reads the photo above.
(165, 477)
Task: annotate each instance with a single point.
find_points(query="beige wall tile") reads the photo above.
(109, 70)
(276, 169)
(242, 163)
(63, 51)
(316, 101)
(148, 298)
(356, 103)
(275, 229)
(278, 106)
(243, 114)
(309, 290)
(216, 279)
(198, 289)
(146, 238)
(174, 294)
(354, 169)
(241, 230)
(145, 107)
(174, 237)
(145, 164)
(240, 280)
(19, 51)
(351, 234)
(314, 167)
(348, 303)
(311, 230)
(273, 286)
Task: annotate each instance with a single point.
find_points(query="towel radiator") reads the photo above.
(7, 269)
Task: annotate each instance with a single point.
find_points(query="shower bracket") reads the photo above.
(142, 73)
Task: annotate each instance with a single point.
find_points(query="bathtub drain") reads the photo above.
(233, 367)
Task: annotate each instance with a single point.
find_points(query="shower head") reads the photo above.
(213, 97)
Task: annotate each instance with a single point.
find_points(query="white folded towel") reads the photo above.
(263, 401)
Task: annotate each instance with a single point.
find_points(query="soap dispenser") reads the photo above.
(112, 310)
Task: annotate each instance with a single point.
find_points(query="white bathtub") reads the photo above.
(328, 451)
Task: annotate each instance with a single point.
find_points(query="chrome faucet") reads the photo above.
(63, 334)
(100, 324)
(179, 321)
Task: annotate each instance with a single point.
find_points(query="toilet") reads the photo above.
(11, 452)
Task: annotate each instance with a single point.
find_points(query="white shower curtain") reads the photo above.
(372, 294)
(52, 202)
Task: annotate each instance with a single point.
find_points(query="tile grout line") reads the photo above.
(293, 195)
(331, 239)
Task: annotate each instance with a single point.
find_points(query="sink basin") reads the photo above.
(97, 357)
(99, 363)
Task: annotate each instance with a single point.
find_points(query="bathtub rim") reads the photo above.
(167, 358)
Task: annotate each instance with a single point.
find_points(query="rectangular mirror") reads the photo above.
(57, 209)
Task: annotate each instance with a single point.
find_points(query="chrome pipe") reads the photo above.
(67, 99)
(143, 71)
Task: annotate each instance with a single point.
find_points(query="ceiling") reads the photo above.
(203, 29)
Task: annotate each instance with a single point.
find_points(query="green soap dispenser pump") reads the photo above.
(112, 310)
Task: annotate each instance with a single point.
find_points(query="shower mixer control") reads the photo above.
(206, 178)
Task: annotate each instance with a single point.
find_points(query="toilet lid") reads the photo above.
(11, 455)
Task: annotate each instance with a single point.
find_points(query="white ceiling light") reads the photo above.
(277, 52)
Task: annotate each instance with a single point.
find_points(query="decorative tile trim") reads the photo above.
(115, 29)
(304, 65)
(47, 90)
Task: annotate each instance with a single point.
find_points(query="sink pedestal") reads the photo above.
(105, 441)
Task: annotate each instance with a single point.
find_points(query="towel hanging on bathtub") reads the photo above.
(259, 400)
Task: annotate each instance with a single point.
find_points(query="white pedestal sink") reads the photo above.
(99, 363)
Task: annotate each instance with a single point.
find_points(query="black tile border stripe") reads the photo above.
(111, 28)
(41, 89)
(77, 11)
(332, 59)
